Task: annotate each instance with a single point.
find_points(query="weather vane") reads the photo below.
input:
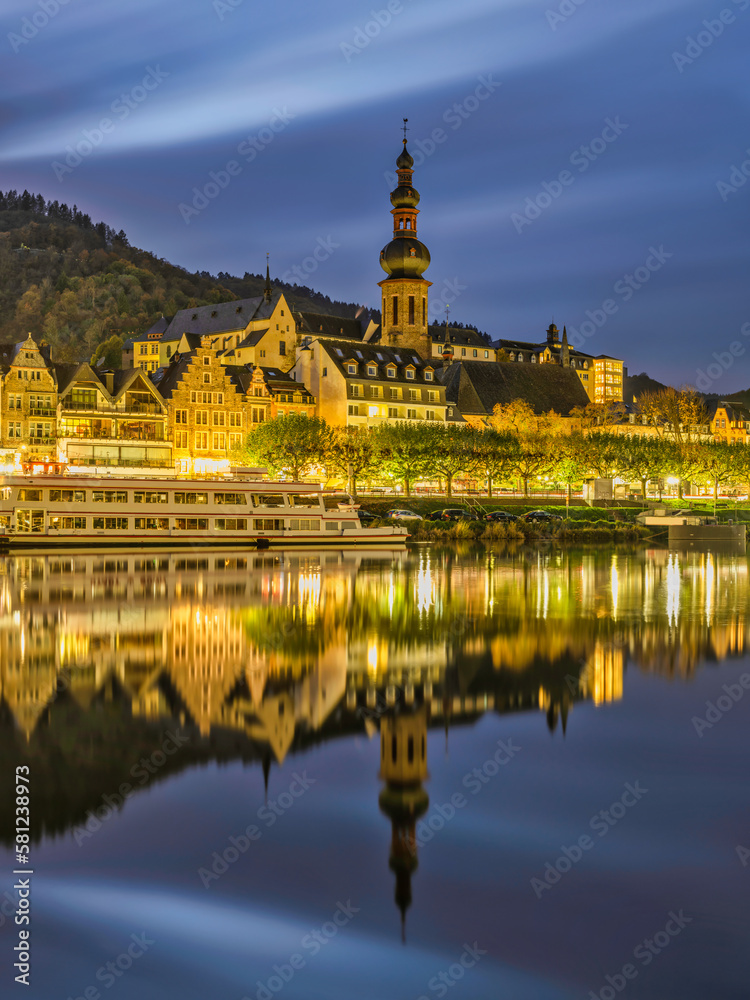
(405, 128)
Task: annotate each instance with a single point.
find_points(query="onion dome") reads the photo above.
(405, 257)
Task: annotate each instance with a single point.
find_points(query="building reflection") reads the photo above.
(262, 654)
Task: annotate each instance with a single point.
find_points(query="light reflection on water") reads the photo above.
(273, 662)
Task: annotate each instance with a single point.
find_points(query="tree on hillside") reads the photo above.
(109, 352)
(290, 445)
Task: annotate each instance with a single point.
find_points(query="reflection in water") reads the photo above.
(260, 655)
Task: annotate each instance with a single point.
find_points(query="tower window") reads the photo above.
(393, 749)
(424, 311)
(408, 223)
(400, 223)
(411, 310)
(412, 252)
(395, 309)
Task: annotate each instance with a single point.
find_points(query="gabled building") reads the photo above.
(112, 420)
(361, 384)
(259, 330)
(317, 326)
(28, 404)
(730, 422)
(475, 388)
(465, 344)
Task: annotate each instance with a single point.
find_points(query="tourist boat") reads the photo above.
(241, 510)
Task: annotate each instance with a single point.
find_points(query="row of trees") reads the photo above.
(518, 447)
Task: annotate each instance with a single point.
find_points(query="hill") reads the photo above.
(636, 385)
(82, 288)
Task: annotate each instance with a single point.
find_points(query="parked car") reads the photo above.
(397, 514)
(500, 515)
(457, 514)
(366, 517)
(541, 517)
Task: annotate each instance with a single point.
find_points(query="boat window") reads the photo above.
(153, 523)
(268, 500)
(191, 497)
(268, 524)
(67, 496)
(109, 496)
(332, 525)
(230, 523)
(191, 523)
(304, 524)
(230, 498)
(111, 523)
(150, 496)
(305, 500)
(33, 495)
(67, 523)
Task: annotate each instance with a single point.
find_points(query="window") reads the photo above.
(218, 418)
(356, 390)
(463, 352)
(152, 523)
(184, 497)
(410, 373)
(207, 378)
(230, 498)
(109, 496)
(353, 410)
(395, 394)
(230, 523)
(110, 524)
(180, 416)
(30, 495)
(268, 500)
(486, 354)
(424, 311)
(282, 347)
(429, 415)
(395, 309)
(432, 396)
(332, 525)
(67, 523)
(475, 352)
(268, 524)
(181, 439)
(201, 418)
(393, 412)
(413, 395)
(411, 310)
(352, 369)
(206, 360)
(262, 353)
(325, 372)
(191, 523)
(411, 414)
(150, 496)
(67, 496)
(235, 420)
(376, 391)
(14, 430)
(258, 414)
(235, 440)
(218, 398)
(220, 441)
(390, 372)
(428, 376)
(304, 524)
(372, 370)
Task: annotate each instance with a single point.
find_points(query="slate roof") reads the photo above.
(462, 338)
(735, 411)
(220, 317)
(476, 387)
(166, 379)
(342, 351)
(318, 325)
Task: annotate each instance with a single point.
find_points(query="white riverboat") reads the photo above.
(244, 510)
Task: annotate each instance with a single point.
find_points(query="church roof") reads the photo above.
(320, 325)
(220, 317)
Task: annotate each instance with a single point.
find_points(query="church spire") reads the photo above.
(267, 290)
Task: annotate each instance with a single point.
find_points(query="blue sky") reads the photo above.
(156, 99)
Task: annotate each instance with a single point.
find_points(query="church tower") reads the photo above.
(404, 259)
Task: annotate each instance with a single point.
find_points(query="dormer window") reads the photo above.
(410, 373)
(512, 356)
(390, 372)
(352, 369)
(428, 376)
(533, 358)
(372, 370)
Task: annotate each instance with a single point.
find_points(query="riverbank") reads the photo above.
(519, 532)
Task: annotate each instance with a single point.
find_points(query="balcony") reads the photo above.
(80, 405)
(122, 463)
(91, 435)
(41, 440)
(154, 408)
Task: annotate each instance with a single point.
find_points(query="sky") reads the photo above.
(579, 161)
